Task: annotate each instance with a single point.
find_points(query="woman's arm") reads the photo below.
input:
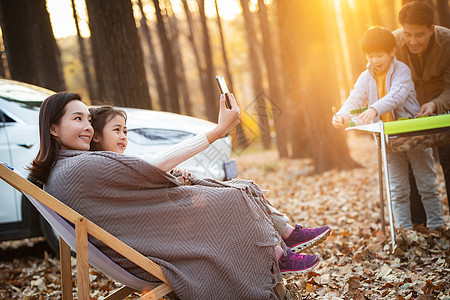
(169, 158)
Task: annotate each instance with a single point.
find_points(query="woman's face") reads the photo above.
(74, 130)
(114, 136)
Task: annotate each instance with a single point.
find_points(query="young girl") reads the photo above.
(211, 238)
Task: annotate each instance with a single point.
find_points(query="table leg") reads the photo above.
(380, 183)
(386, 179)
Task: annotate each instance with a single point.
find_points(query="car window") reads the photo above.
(4, 118)
(154, 136)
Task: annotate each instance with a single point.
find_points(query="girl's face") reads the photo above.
(114, 136)
(74, 130)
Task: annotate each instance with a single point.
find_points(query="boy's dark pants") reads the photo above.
(418, 215)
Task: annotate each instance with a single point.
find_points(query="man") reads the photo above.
(425, 48)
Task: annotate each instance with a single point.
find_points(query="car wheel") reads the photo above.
(50, 235)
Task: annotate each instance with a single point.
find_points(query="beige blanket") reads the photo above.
(213, 240)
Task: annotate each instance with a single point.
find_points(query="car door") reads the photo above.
(19, 143)
(9, 199)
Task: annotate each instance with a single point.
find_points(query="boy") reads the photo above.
(387, 87)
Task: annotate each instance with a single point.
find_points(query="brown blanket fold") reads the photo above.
(214, 240)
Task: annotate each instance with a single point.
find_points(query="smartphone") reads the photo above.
(224, 90)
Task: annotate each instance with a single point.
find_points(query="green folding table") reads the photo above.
(403, 135)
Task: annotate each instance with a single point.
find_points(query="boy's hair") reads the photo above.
(419, 13)
(99, 117)
(377, 39)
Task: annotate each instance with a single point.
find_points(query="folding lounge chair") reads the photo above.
(59, 217)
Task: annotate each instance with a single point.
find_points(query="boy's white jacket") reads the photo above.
(400, 95)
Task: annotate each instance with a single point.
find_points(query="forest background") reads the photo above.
(287, 62)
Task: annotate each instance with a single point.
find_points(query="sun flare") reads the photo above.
(61, 14)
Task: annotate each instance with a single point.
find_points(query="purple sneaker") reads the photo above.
(293, 264)
(302, 239)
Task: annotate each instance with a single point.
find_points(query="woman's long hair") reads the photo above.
(51, 111)
(99, 117)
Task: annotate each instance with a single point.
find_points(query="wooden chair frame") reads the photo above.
(83, 227)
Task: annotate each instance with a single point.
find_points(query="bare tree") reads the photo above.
(169, 61)
(211, 102)
(179, 65)
(198, 61)
(374, 12)
(257, 77)
(443, 12)
(117, 53)
(31, 50)
(83, 55)
(154, 65)
(278, 106)
(354, 29)
(308, 67)
(390, 14)
(241, 139)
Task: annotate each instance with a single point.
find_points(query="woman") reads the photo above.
(212, 239)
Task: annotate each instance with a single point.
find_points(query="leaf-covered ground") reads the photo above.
(356, 260)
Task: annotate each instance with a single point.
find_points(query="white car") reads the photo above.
(148, 132)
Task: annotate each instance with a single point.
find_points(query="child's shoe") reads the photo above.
(296, 264)
(302, 239)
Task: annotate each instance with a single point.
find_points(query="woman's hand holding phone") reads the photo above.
(228, 118)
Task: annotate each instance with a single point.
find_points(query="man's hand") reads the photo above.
(367, 116)
(428, 108)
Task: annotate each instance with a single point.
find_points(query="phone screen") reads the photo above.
(224, 90)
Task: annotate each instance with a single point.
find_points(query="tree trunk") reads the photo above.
(278, 107)
(31, 49)
(354, 31)
(117, 53)
(373, 12)
(212, 99)
(198, 61)
(259, 104)
(291, 79)
(169, 61)
(443, 12)
(240, 139)
(83, 56)
(179, 64)
(343, 56)
(312, 66)
(154, 66)
(390, 14)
